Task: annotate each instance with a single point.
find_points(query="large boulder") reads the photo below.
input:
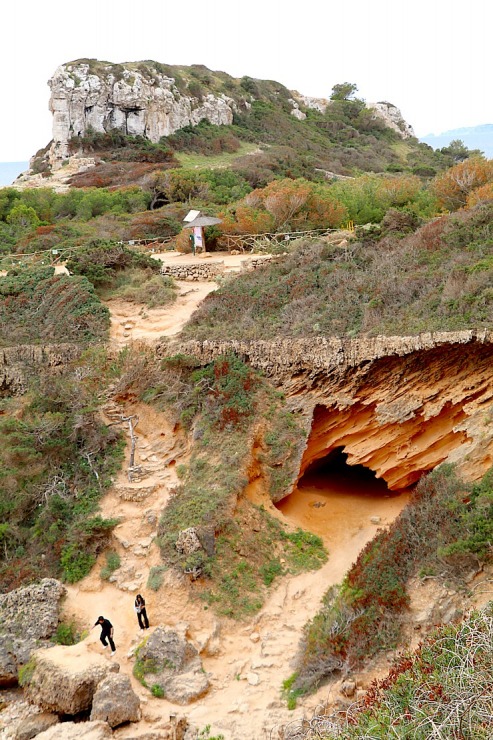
(171, 662)
(32, 612)
(77, 731)
(28, 616)
(64, 679)
(115, 701)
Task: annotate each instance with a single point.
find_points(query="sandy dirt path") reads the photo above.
(131, 321)
(247, 661)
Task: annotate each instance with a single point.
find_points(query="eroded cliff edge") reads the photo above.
(397, 405)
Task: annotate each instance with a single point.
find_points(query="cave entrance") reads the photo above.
(340, 502)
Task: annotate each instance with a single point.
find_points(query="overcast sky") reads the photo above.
(431, 58)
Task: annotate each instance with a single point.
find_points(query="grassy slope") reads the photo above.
(436, 279)
(443, 690)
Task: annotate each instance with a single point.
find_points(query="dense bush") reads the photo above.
(443, 689)
(56, 460)
(204, 138)
(453, 187)
(115, 145)
(37, 306)
(285, 205)
(100, 262)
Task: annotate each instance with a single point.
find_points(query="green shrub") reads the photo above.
(75, 563)
(67, 633)
(157, 690)
(156, 577)
(39, 307)
(26, 672)
(289, 693)
(112, 563)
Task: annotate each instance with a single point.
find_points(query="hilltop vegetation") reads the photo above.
(346, 138)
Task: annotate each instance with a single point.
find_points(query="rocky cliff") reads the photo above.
(136, 99)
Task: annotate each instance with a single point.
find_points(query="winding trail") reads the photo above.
(246, 661)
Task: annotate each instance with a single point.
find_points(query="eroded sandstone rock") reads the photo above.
(399, 406)
(77, 731)
(27, 617)
(19, 362)
(177, 668)
(35, 725)
(65, 679)
(115, 701)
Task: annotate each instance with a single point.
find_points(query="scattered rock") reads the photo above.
(115, 701)
(32, 612)
(35, 725)
(188, 541)
(255, 637)
(348, 687)
(253, 679)
(28, 617)
(77, 731)
(375, 519)
(126, 493)
(178, 668)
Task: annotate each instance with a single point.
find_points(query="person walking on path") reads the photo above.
(140, 608)
(106, 632)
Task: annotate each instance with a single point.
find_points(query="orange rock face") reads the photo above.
(401, 416)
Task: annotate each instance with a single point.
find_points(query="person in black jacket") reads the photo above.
(106, 632)
(140, 608)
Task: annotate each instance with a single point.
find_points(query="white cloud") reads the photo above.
(430, 58)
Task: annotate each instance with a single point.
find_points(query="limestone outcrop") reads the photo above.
(177, 668)
(28, 616)
(136, 99)
(115, 701)
(393, 118)
(64, 679)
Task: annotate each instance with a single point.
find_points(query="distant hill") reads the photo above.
(474, 137)
(10, 170)
(158, 115)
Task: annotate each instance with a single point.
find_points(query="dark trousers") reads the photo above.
(142, 617)
(103, 637)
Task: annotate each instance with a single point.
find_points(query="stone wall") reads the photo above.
(194, 270)
(251, 263)
(285, 357)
